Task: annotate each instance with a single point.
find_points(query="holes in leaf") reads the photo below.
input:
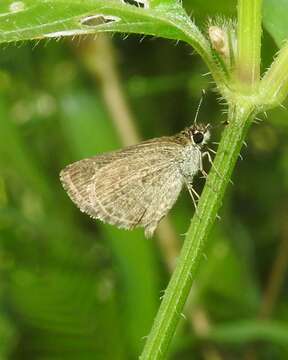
(99, 19)
(138, 3)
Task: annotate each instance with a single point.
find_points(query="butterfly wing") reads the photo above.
(133, 187)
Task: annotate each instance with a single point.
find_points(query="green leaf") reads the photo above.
(37, 19)
(275, 17)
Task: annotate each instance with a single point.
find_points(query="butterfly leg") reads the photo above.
(211, 150)
(202, 171)
(194, 196)
(206, 153)
(201, 168)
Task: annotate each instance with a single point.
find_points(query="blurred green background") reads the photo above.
(73, 288)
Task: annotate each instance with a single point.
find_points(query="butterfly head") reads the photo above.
(199, 134)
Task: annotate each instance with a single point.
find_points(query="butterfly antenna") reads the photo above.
(198, 107)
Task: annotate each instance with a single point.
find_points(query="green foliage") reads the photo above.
(53, 19)
(34, 19)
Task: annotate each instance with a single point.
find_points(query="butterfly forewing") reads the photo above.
(132, 187)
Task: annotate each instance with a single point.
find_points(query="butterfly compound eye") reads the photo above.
(198, 137)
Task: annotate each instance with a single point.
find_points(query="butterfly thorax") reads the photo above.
(192, 140)
(190, 161)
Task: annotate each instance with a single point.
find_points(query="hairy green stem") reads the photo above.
(249, 43)
(180, 284)
(274, 85)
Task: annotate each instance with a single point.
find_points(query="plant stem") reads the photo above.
(274, 85)
(178, 289)
(249, 43)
